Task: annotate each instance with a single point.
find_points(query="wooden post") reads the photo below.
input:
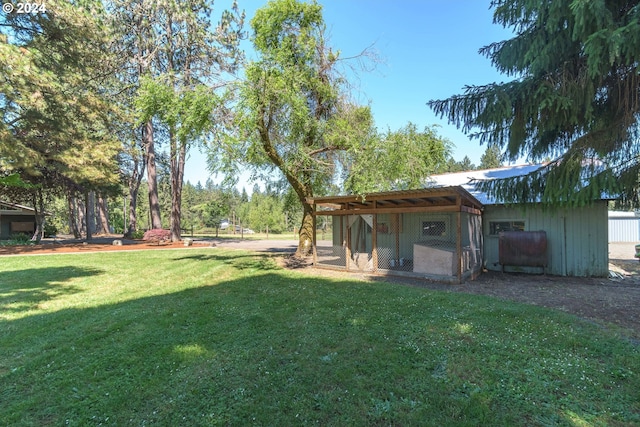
(348, 252)
(343, 249)
(459, 239)
(314, 237)
(374, 241)
(397, 235)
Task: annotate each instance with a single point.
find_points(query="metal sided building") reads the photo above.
(449, 231)
(624, 226)
(577, 237)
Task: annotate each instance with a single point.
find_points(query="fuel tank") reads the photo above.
(523, 248)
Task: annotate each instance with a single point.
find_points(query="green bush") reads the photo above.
(138, 234)
(18, 239)
(50, 230)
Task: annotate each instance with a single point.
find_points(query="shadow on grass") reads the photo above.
(22, 289)
(238, 259)
(275, 349)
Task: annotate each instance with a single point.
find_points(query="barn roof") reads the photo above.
(465, 179)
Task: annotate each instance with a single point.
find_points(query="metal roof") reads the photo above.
(464, 179)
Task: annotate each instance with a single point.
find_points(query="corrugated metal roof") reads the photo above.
(457, 181)
(624, 214)
(464, 179)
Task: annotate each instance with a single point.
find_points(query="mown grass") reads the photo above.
(213, 337)
(228, 235)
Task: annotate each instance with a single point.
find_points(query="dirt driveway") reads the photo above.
(604, 300)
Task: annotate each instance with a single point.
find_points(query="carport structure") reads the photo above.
(432, 233)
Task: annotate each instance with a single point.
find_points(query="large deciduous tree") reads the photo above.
(397, 160)
(184, 89)
(293, 113)
(574, 98)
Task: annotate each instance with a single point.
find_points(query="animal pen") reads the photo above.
(434, 233)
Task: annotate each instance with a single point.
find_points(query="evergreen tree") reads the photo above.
(56, 119)
(491, 158)
(460, 166)
(575, 96)
(182, 62)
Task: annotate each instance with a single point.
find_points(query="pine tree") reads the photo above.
(491, 158)
(575, 97)
(56, 126)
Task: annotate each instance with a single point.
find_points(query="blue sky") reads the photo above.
(429, 50)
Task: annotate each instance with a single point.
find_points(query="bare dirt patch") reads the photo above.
(98, 244)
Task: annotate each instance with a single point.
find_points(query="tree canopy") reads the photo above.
(296, 118)
(294, 115)
(55, 114)
(53, 98)
(397, 160)
(574, 97)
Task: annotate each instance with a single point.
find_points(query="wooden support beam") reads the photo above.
(314, 239)
(470, 210)
(459, 241)
(433, 209)
(347, 259)
(374, 241)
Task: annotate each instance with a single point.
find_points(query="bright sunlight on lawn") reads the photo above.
(212, 337)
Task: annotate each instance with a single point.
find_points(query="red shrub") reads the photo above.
(157, 234)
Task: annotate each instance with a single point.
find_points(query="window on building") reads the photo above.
(497, 227)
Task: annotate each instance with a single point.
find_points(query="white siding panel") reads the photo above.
(623, 229)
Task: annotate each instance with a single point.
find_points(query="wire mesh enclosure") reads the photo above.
(433, 236)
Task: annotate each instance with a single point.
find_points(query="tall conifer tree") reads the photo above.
(574, 98)
(55, 116)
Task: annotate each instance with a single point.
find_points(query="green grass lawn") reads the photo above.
(213, 337)
(247, 236)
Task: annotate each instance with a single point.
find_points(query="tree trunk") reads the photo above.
(305, 241)
(80, 209)
(178, 158)
(38, 206)
(89, 216)
(134, 186)
(152, 181)
(301, 184)
(103, 215)
(73, 216)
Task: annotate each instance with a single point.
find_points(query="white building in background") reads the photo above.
(624, 226)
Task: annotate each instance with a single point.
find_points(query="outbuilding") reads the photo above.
(450, 231)
(432, 232)
(16, 219)
(624, 226)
